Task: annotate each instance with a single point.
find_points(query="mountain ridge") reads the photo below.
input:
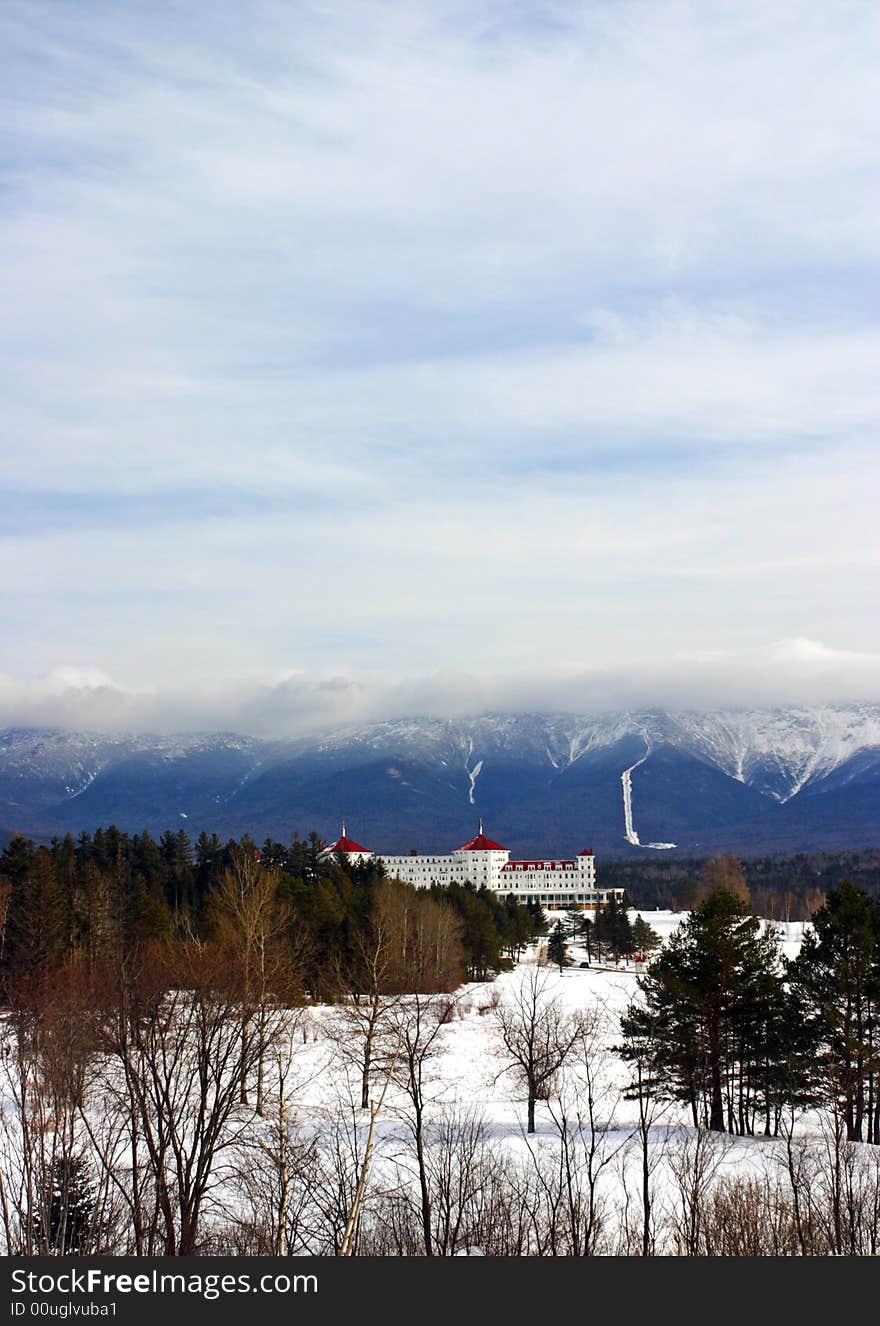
(630, 782)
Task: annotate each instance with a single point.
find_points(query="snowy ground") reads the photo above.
(470, 1069)
(470, 1077)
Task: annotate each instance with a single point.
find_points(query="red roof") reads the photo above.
(344, 844)
(588, 851)
(480, 844)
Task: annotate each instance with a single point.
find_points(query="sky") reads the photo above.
(364, 358)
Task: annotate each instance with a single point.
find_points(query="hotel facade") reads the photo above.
(484, 863)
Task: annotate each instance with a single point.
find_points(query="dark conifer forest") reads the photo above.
(104, 897)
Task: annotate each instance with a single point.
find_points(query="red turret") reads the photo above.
(481, 844)
(345, 844)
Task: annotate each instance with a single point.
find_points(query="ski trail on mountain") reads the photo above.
(626, 783)
(473, 774)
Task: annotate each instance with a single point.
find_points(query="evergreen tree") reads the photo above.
(837, 975)
(179, 879)
(539, 920)
(624, 944)
(38, 928)
(518, 926)
(212, 859)
(557, 947)
(612, 929)
(644, 937)
(587, 929)
(64, 1219)
(711, 1001)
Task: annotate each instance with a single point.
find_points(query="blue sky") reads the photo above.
(451, 354)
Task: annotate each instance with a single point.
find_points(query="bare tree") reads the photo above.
(338, 1166)
(653, 1107)
(175, 1047)
(351, 1227)
(52, 1198)
(570, 1174)
(371, 985)
(276, 1171)
(537, 1036)
(459, 1167)
(694, 1160)
(420, 1021)
(256, 932)
(799, 1166)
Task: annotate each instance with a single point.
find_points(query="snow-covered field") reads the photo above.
(315, 1134)
(469, 1080)
(469, 1071)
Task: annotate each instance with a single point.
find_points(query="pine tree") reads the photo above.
(712, 998)
(39, 929)
(624, 944)
(518, 926)
(613, 930)
(64, 1222)
(557, 947)
(539, 920)
(644, 936)
(587, 930)
(179, 880)
(837, 974)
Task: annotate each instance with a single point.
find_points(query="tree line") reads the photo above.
(109, 895)
(783, 887)
(152, 997)
(726, 1025)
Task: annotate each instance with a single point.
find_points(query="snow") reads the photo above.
(779, 752)
(473, 775)
(629, 828)
(470, 1072)
(626, 780)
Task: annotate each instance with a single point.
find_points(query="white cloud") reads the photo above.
(783, 672)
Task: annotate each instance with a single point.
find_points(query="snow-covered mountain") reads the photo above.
(647, 780)
(777, 751)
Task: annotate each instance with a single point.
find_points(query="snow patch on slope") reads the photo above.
(626, 782)
(626, 779)
(473, 775)
(779, 751)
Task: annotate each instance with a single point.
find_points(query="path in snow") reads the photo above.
(626, 781)
(628, 826)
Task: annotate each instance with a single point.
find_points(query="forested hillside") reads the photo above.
(782, 886)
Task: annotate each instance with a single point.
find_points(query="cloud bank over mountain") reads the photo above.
(789, 672)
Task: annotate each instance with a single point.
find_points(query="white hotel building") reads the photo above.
(482, 862)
